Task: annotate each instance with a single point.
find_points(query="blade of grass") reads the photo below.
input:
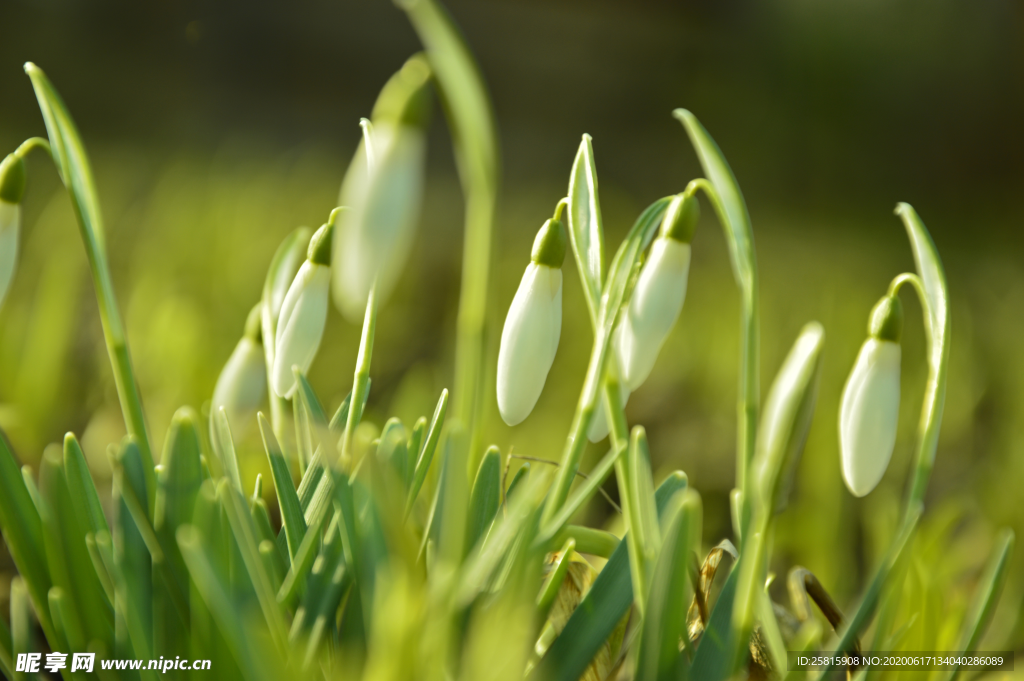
(288, 501)
(81, 487)
(485, 497)
(579, 497)
(229, 459)
(426, 454)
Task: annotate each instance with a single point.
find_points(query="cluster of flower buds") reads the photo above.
(529, 339)
(870, 405)
(12, 189)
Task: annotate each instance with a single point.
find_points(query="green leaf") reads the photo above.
(485, 498)
(521, 475)
(786, 418)
(586, 233)
(288, 501)
(427, 452)
(713, 659)
(581, 496)
(990, 586)
(601, 610)
(933, 279)
(132, 550)
(21, 621)
(181, 474)
(82, 488)
(664, 624)
(226, 448)
(23, 533)
(643, 534)
(73, 167)
(549, 592)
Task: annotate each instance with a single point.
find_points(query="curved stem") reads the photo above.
(32, 143)
(748, 396)
(361, 378)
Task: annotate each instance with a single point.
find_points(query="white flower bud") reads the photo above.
(653, 310)
(301, 325)
(10, 226)
(383, 200)
(529, 341)
(243, 380)
(869, 414)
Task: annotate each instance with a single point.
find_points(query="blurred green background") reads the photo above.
(216, 128)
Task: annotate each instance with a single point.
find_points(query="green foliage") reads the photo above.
(381, 564)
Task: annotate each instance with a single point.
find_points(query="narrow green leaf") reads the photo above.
(713, 659)
(419, 430)
(427, 452)
(81, 486)
(990, 586)
(287, 499)
(23, 533)
(586, 233)
(643, 533)
(132, 551)
(73, 167)
(664, 623)
(601, 610)
(7, 658)
(547, 595)
(21, 622)
(485, 498)
(521, 475)
(226, 442)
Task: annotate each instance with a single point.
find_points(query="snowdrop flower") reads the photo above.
(532, 327)
(871, 401)
(658, 296)
(12, 189)
(300, 327)
(243, 380)
(383, 188)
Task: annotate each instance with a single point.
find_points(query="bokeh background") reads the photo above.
(216, 128)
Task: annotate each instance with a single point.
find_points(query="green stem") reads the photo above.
(32, 143)
(748, 396)
(72, 163)
(360, 379)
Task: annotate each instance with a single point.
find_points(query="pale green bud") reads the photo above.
(653, 309)
(869, 414)
(529, 341)
(12, 189)
(300, 326)
(243, 380)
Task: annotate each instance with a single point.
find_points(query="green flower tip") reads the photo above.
(886, 321)
(681, 217)
(405, 98)
(12, 179)
(549, 246)
(319, 251)
(254, 324)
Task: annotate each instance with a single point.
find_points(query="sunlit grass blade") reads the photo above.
(426, 453)
(990, 586)
(22, 639)
(73, 167)
(586, 233)
(485, 497)
(664, 623)
(547, 595)
(23, 533)
(288, 501)
(133, 553)
(643, 534)
(602, 608)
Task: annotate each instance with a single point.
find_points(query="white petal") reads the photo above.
(653, 310)
(300, 326)
(241, 385)
(869, 415)
(600, 427)
(10, 219)
(375, 233)
(529, 341)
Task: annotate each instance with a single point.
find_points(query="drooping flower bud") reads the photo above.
(382, 189)
(12, 189)
(870, 407)
(243, 380)
(300, 326)
(658, 297)
(532, 327)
